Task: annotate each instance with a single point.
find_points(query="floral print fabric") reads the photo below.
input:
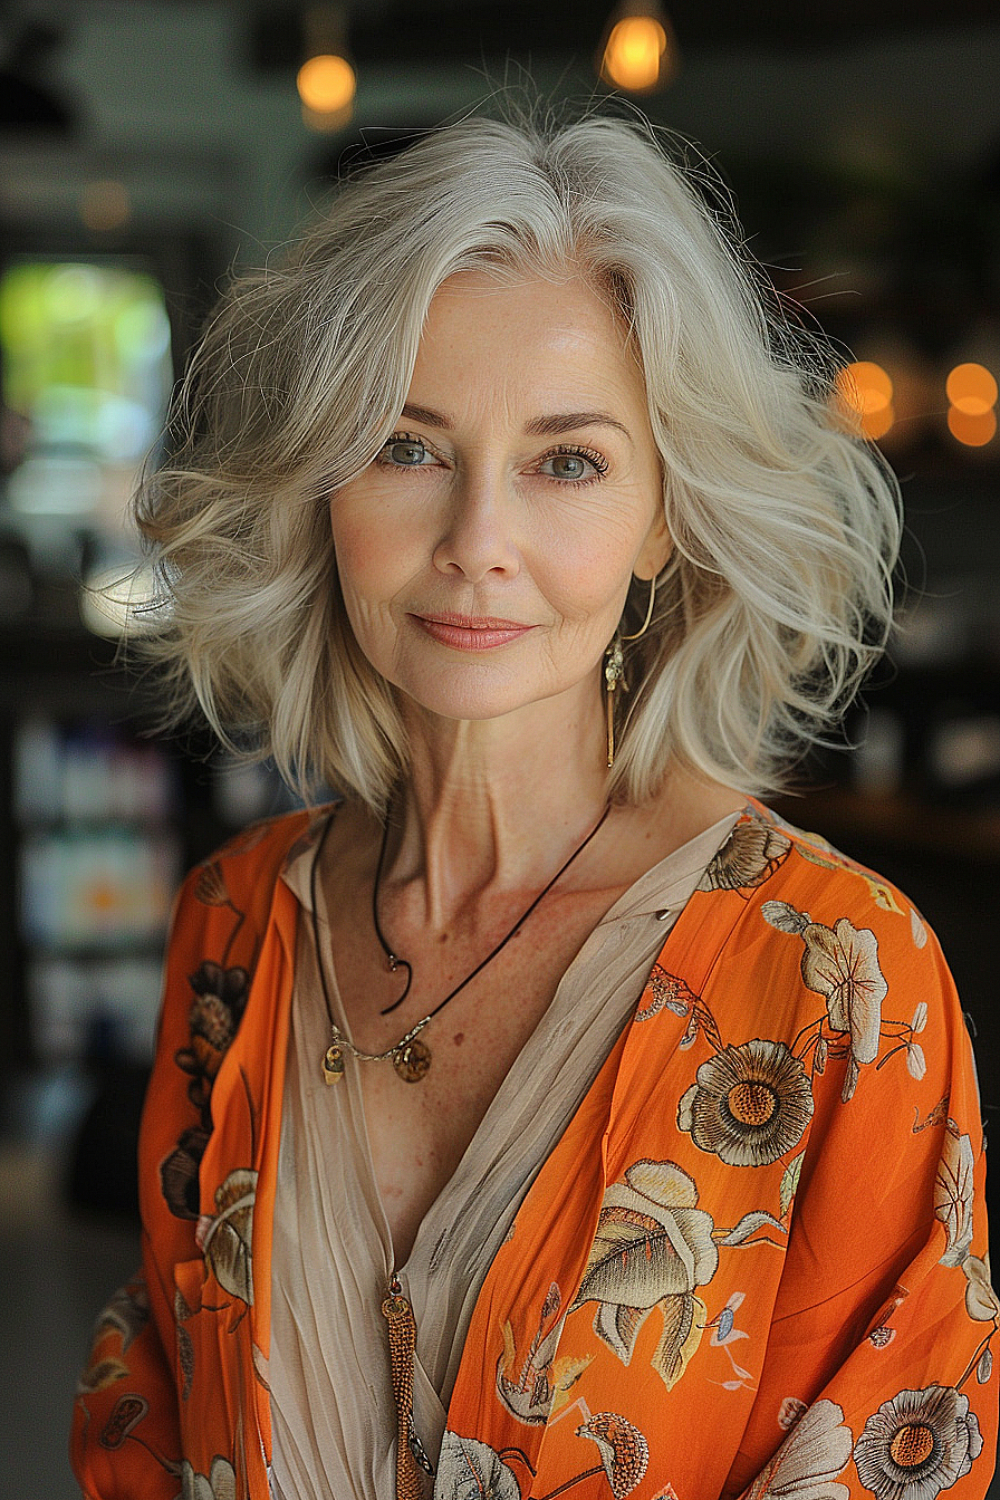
(755, 1263)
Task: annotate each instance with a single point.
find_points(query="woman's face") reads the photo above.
(485, 554)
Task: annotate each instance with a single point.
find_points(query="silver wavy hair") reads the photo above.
(777, 597)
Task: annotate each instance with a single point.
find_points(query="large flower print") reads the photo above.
(179, 1173)
(953, 1194)
(808, 1462)
(841, 964)
(981, 1301)
(220, 997)
(536, 1386)
(225, 1239)
(918, 1444)
(750, 1103)
(126, 1315)
(471, 1470)
(623, 1449)
(218, 1484)
(653, 1247)
(127, 1312)
(750, 855)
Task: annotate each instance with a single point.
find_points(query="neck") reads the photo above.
(496, 806)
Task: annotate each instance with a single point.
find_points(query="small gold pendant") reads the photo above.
(412, 1061)
(333, 1064)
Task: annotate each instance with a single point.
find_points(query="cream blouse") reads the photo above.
(333, 1414)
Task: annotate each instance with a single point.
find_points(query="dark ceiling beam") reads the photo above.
(421, 32)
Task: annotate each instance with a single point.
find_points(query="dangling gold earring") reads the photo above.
(614, 668)
(614, 673)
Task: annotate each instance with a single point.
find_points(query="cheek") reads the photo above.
(584, 565)
(369, 570)
(361, 570)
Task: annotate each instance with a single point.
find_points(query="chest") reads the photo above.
(419, 1131)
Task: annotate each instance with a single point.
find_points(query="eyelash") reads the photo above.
(597, 460)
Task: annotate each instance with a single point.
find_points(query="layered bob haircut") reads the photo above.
(785, 526)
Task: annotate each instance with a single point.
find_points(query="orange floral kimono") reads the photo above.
(755, 1263)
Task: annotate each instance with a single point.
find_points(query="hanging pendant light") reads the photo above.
(639, 49)
(326, 80)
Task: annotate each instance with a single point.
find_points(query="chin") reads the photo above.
(464, 709)
(473, 702)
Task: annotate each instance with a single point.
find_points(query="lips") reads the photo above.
(470, 632)
(472, 622)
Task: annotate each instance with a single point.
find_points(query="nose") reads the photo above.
(477, 534)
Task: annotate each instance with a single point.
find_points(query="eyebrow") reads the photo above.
(548, 426)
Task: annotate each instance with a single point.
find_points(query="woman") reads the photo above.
(543, 1117)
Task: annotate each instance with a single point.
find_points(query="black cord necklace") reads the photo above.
(410, 1056)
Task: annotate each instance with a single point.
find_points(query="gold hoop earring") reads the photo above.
(614, 669)
(649, 613)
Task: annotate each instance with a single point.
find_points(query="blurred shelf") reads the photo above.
(903, 822)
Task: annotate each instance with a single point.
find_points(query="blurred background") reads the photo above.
(150, 145)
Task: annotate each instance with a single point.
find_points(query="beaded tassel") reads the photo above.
(402, 1341)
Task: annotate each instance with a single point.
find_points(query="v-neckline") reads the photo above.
(621, 909)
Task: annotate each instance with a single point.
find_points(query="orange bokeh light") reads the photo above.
(974, 429)
(972, 389)
(634, 55)
(326, 84)
(875, 424)
(865, 388)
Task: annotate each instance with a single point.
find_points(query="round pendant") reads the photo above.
(412, 1061)
(333, 1064)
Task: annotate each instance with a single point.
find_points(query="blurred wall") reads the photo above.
(170, 103)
